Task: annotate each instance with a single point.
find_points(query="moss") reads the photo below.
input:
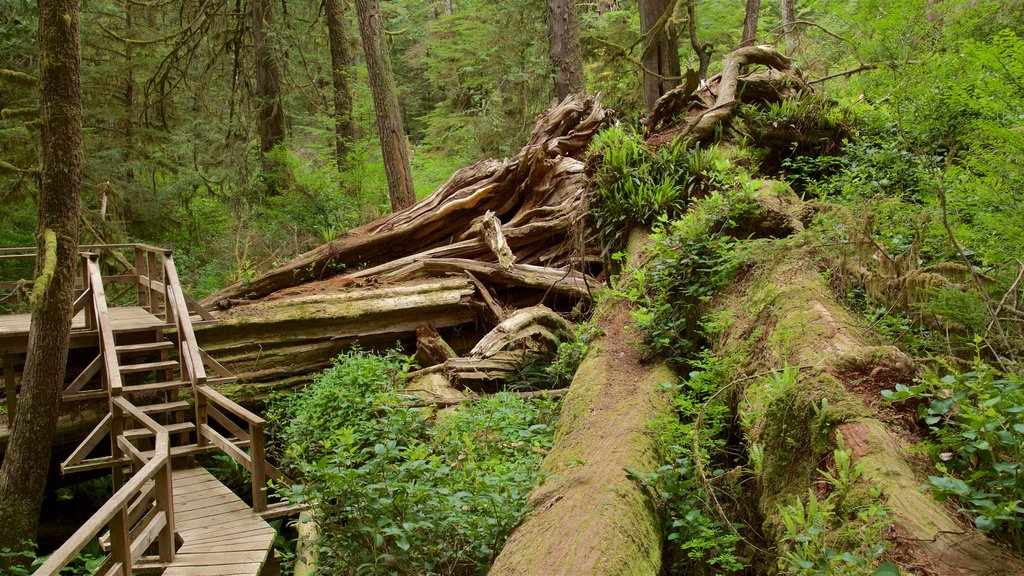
(46, 272)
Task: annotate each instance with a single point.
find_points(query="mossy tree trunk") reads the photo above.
(564, 42)
(660, 52)
(341, 71)
(26, 463)
(393, 143)
(269, 105)
(589, 515)
(781, 314)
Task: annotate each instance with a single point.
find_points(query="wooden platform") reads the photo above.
(220, 533)
(14, 327)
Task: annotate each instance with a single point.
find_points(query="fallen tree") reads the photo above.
(589, 515)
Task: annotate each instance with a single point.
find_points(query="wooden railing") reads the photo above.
(138, 515)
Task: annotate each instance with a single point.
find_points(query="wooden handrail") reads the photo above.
(114, 512)
(255, 461)
(108, 349)
(187, 337)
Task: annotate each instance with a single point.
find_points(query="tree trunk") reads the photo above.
(270, 108)
(782, 314)
(341, 63)
(590, 516)
(789, 30)
(394, 147)
(661, 52)
(564, 38)
(24, 470)
(703, 51)
(750, 22)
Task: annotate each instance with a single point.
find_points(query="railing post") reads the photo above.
(140, 267)
(201, 417)
(120, 541)
(154, 305)
(116, 430)
(165, 504)
(259, 472)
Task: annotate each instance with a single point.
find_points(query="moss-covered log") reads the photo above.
(783, 314)
(589, 515)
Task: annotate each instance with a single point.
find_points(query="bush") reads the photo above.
(393, 494)
(976, 420)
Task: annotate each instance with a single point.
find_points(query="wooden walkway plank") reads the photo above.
(220, 533)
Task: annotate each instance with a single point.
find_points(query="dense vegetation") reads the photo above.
(908, 153)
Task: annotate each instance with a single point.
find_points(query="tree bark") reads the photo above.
(394, 147)
(789, 30)
(270, 108)
(703, 51)
(341, 63)
(589, 516)
(750, 22)
(564, 42)
(661, 52)
(24, 469)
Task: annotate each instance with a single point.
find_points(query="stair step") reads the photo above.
(136, 433)
(190, 449)
(165, 407)
(148, 366)
(156, 387)
(145, 347)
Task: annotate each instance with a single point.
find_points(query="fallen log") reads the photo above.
(783, 314)
(431, 349)
(589, 516)
(286, 341)
(538, 196)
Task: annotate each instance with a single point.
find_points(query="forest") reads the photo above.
(512, 287)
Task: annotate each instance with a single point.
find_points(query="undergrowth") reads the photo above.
(399, 489)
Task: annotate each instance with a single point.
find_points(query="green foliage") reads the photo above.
(393, 494)
(976, 419)
(692, 258)
(14, 563)
(838, 534)
(637, 185)
(699, 542)
(810, 128)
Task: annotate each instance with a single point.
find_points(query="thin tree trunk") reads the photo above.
(750, 22)
(564, 38)
(26, 462)
(789, 30)
(270, 109)
(703, 51)
(393, 144)
(661, 53)
(341, 63)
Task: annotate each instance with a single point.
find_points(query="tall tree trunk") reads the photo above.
(703, 51)
(341, 63)
(750, 22)
(270, 109)
(393, 145)
(564, 38)
(26, 462)
(789, 30)
(661, 52)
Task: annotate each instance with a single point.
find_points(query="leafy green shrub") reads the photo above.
(637, 185)
(807, 127)
(836, 535)
(977, 421)
(692, 258)
(699, 542)
(393, 494)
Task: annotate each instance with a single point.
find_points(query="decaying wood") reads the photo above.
(445, 402)
(495, 239)
(713, 106)
(589, 516)
(499, 357)
(783, 314)
(538, 196)
(431, 349)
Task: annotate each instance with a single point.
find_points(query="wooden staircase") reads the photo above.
(162, 412)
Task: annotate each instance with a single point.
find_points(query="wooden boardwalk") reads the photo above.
(220, 534)
(164, 517)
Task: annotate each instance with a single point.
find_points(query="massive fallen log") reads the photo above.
(285, 341)
(783, 314)
(538, 196)
(589, 516)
